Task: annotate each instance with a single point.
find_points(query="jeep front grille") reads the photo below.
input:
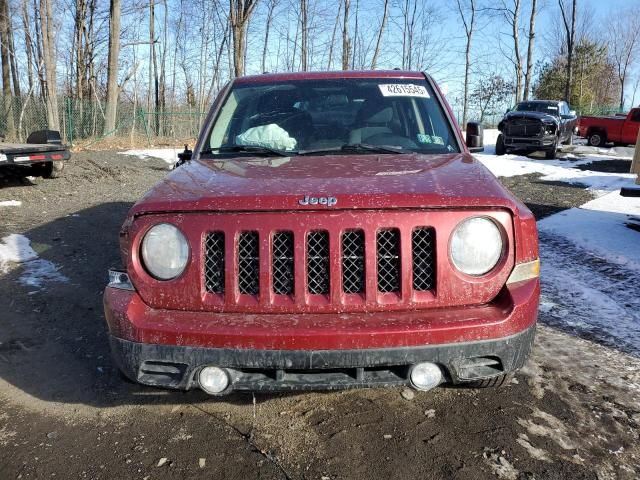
(288, 266)
(353, 261)
(318, 274)
(388, 260)
(248, 263)
(214, 262)
(282, 272)
(422, 250)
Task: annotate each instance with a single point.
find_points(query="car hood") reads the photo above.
(544, 117)
(355, 181)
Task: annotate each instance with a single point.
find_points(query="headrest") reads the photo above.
(277, 101)
(375, 113)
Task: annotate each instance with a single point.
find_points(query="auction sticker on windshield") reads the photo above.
(403, 90)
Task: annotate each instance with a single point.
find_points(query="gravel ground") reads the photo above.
(573, 412)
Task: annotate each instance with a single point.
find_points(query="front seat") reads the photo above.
(373, 118)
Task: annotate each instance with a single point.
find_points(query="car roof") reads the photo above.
(334, 75)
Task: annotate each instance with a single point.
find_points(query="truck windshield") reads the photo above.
(369, 116)
(549, 108)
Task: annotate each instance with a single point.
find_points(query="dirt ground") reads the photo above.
(65, 412)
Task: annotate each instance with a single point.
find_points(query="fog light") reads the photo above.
(425, 376)
(213, 380)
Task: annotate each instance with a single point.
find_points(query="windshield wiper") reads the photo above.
(357, 147)
(257, 149)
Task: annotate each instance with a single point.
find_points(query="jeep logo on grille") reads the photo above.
(328, 201)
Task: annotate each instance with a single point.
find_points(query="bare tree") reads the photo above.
(6, 69)
(112, 69)
(511, 13)
(346, 41)
(239, 14)
(531, 41)
(26, 21)
(304, 32)
(468, 17)
(49, 60)
(267, 28)
(570, 41)
(383, 24)
(624, 41)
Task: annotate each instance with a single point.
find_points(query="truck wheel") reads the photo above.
(552, 154)
(597, 139)
(48, 169)
(493, 382)
(500, 145)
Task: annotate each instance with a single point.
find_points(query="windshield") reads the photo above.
(321, 116)
(549, 108)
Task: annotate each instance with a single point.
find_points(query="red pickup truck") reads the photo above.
(619, 130)
(329, 230)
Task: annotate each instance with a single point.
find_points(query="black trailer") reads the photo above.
(42, 156)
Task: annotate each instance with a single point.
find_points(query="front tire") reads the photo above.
(597, 139)
(500, 150)
(553, 153)
(493, 382)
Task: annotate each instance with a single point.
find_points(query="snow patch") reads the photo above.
(16, 249)
(600, 227)
(558, 171)
(10, 203)
(169, 155)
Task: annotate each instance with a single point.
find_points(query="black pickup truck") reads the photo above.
(536, 125)
(42, 156)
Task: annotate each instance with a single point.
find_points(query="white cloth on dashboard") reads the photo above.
(271, 136)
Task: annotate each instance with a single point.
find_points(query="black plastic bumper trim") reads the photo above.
(277, 370)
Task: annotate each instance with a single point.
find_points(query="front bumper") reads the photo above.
(530, 143)
(321, 351)
(284, 370)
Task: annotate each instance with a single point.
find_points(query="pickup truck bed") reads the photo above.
(35, 158)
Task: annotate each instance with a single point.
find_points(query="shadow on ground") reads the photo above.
(54, 341)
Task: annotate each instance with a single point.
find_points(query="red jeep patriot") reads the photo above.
(329, 230)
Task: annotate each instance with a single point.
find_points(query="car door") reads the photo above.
(564, 113)
(631, 126)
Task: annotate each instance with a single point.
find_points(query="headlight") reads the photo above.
(165, 251)
(476, 246)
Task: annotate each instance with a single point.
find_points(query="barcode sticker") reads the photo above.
(403, 90)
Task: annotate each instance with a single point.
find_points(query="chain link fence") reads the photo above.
(82, 121)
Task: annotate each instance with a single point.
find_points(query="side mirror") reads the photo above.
(184, 156)
(475, 137)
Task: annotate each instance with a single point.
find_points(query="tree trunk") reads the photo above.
(346, 41)
(383, 24)
(49, 60)
(333, 37)
(112, 69)
(6, 71)
(468, 27)
(12, 54)
(272, 6)
(570, 30)
(239, 13)
(304, 27)
(532, 27)
(27, 42)
(516, 49)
